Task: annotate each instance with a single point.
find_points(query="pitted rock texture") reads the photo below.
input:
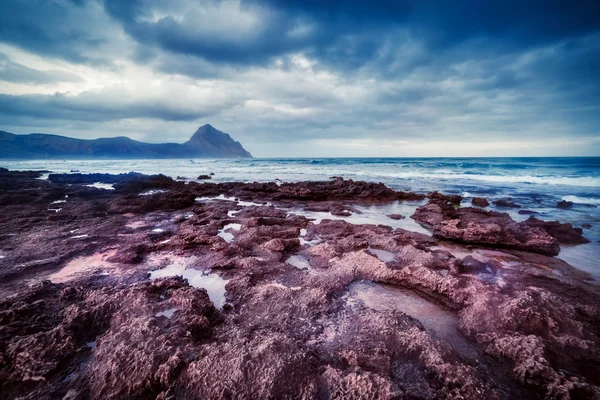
(477, 226)
(509, 326)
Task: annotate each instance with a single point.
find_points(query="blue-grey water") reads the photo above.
(537, 184)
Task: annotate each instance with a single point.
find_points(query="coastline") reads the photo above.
(296, 279)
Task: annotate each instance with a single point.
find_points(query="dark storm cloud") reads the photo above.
(349, 33)
(39, 26)
(453, 21)
(351, 69)
(270, 38)
(72, 30)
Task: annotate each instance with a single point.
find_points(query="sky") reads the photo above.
(310, 78)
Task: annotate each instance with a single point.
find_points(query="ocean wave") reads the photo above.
(582, 200)
(418, 173)
(371, 173)
(582, 181)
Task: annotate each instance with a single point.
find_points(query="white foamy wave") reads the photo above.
(100, 185)
(421, 173)
(541, 180)
(582, 200)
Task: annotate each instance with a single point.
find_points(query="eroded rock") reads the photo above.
(476, 226)
(480, 202)
(529, 322)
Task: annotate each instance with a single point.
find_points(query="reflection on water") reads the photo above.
(100, 185)
(81, 266)
(298, 261)
(582, 256)
(239, 202)
(309, 243)
(213, 283)
(153, 192)
(168, 313)
(376, 214)
(442, 324)
(226, 234)
(383, 255)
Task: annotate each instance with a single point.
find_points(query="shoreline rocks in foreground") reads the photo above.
(312, 308)
(471, 225)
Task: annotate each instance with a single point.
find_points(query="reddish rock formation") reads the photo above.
(480, 202)
(505, 203)
(395, 216)
(476, 226)
(340, 189)
(436, 196)
(564, 233)
(159, 201)
(462, 322)
(410, 196)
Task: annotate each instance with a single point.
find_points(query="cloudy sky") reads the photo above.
(309, 77)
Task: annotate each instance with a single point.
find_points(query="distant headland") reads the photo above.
(206, 142)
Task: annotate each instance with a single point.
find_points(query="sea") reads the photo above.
(536, 184)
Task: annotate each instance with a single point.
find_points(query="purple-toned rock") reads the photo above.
(203, 177)
(395, 216)
(564, 233)
(146, 182)
(564, 205)
(173, 200)
(340, 211)
(95, 177)
(527, 212)
(410, 196)
(309, 310)
(480, 202)
(476, 226)
(340, 189)
(505, 203)
(453, 199)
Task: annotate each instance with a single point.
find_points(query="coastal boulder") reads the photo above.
(476, 226)
(564, 205)
(452, 199)
(480, 202)
(506, 203)
(564, 233)
(339, 189)
(395, 216)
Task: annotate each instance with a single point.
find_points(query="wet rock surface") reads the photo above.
(396, 216)
(506, 203)
(480, 202)
(564, 204)
(564, 233)
(476, 226)
(312, 309)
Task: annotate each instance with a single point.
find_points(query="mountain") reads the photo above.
(207, 142)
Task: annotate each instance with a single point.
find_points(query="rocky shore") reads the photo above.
(134, 286)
